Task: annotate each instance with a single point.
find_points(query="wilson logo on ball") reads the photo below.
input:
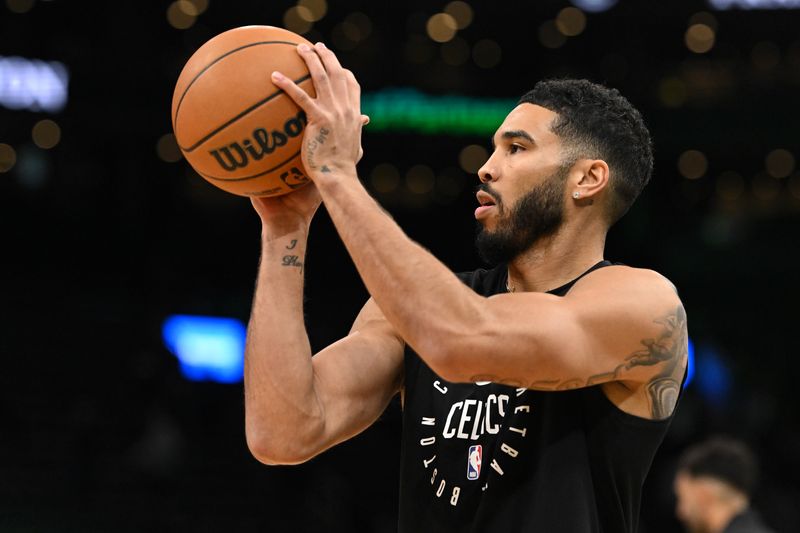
(263, 143)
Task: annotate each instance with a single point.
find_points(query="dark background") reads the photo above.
(98, 430)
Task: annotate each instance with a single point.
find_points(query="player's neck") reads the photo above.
(557, 259)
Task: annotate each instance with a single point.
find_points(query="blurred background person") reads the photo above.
(713, 486)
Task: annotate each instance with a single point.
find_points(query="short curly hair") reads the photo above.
(595, 121)
(725, 459)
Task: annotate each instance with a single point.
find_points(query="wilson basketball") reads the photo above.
(234, 126)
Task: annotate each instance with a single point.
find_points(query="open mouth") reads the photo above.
(486, 201)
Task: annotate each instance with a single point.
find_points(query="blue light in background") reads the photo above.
(754, 4)
(33, 84)
(689, 364)
(713, 378)
(208, 348)
(594, 6)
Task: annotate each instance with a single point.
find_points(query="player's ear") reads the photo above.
(593, 179)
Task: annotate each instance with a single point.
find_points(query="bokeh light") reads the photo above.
(420, 179)
(167, 148)
(385, 178)
(441, 27)
(182, 14)
(188, 7)
(472, 157)
(361, 25)
(571, 21)
(704, 17)
(487, 53)
(779, 163)
(297, 19)
(353, 29)
(700, 38)
(46, 134)
(312, 10)
(8, 157)
(19, 6)
(200, 6)
(692, 164)
(461, 12)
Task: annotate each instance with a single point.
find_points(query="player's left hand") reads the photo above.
(332, 138)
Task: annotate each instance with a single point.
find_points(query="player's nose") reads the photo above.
(488, 171)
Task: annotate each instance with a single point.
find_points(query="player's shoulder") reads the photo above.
(627, 282)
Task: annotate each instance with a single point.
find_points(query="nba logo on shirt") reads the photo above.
(474, 461)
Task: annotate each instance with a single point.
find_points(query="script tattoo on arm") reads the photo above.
(669, 350)
(292, 261)
(313, 144)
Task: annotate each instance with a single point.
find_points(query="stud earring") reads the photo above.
(576, 194)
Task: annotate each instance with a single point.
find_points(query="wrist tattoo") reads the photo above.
(291, 246)
(292, 261)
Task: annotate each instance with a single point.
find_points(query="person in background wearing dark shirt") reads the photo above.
(713, 486)
(534, 394)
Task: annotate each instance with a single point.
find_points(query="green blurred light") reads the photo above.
(411, 110)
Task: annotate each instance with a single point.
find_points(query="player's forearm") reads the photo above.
(281, 407)
(419, 295)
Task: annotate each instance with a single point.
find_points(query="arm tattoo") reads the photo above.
(313, 144)
(669, 349)
(292, 261)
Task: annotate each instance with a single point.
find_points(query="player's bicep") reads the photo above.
(356, 377)
(604, 330)
(626, 341)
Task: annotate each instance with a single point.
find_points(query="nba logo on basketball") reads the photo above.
(474, 461)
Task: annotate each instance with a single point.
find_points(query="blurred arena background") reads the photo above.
(107, 233)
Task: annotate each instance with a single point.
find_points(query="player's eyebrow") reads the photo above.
(515, 134)
(521, 134)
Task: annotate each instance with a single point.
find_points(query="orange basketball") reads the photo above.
(234, 126)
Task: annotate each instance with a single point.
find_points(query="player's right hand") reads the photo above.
(288, 212)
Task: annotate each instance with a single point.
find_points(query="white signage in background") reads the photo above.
(754, 4)
(33, 84)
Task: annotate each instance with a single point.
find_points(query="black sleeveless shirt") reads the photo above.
(483, 457)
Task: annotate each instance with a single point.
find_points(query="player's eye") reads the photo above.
(514, 148)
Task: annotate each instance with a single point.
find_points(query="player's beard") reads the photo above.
(539, 213)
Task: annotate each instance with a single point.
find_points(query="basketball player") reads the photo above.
(535, 394)
(713, 487)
